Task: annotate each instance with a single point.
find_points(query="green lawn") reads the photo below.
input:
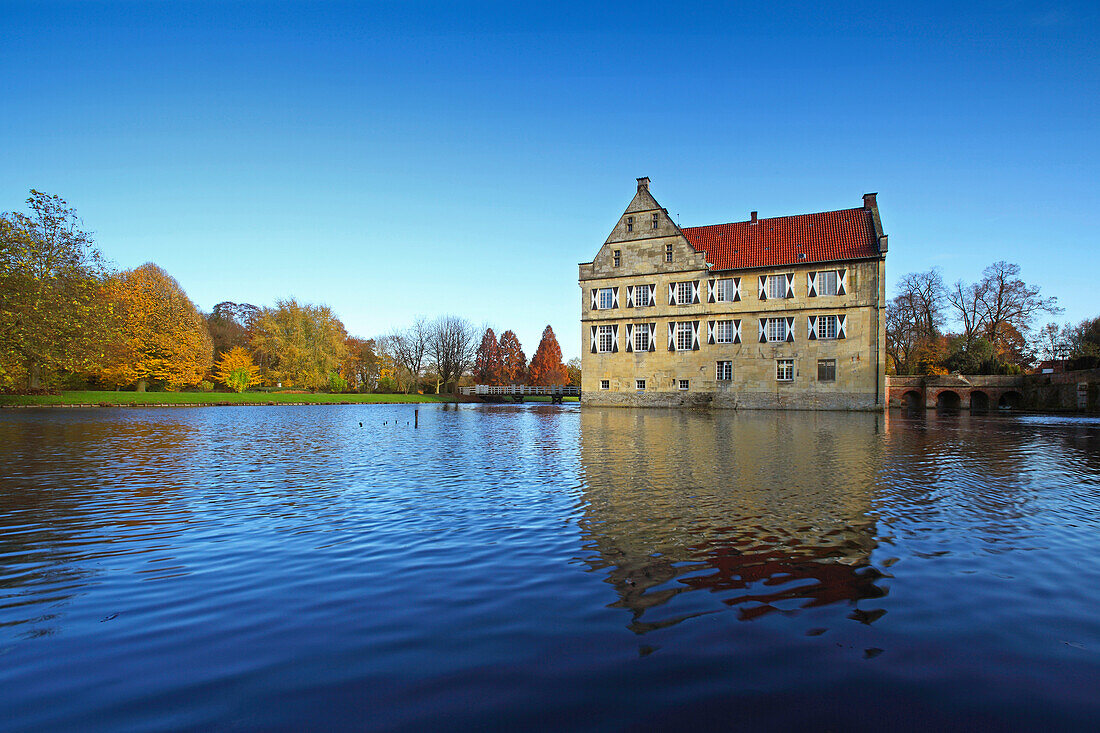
(231, 398)
(176, 398)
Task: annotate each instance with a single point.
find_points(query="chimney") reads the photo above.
(753, 220)
(869, 201)
(643, 184)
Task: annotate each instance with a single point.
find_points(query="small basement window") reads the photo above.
(639, 384)
(605, 384)
(683, 384)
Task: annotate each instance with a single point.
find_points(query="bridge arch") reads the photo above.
(979, 401)
(1011, 400)
(948, 399)
(912, 400)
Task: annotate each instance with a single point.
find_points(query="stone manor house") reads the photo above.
(781, 313)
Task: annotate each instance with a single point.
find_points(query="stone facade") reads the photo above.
(631, 285)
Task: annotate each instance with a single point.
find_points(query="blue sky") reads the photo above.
(425, 158)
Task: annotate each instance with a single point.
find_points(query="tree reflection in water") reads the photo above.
(771, 515)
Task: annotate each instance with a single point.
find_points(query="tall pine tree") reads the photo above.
(546, 366)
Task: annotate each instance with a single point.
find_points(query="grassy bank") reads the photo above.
(213, 398)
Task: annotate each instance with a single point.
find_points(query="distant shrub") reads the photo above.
(238, 379)
(336, 383)
(206, 386)
(386, 385)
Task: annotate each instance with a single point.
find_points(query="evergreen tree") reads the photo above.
(513, 360)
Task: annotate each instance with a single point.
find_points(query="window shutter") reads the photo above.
(841, 326)
(763, 330)
(652, 294)
(653, 337)
(841, 282)
(763, 287)
(694, 292)
(629, 296)
(710, 332)
(672, 293)
(737, 331)
(790, 284)
(811, 328)
(710, 291)
(629, 337)
(790, 328)
(614, 339)
(593, 339)
(811, 284)
(614, 297)
(595, 299)
(736, 289)
(672, 335)
(695, 335)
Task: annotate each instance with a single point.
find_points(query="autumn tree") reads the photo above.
(573, 369)
(1008, 306)
(236, 370)
(513, 360)
(300, 345)
(230, 325)
(162, 337)
(409, 348)
(54, 313)
(488, 365)
(546, 366)
(451, 347)
(362, 364)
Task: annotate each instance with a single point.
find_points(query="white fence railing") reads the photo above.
(564, 390)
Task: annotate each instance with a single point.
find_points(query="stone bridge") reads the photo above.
(959, 392)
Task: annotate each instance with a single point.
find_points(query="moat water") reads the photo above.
(537, 567)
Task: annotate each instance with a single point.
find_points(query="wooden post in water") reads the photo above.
(416, 418)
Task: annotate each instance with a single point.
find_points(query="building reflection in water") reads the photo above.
(770, 512)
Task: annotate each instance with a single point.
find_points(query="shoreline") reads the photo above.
(89, 399)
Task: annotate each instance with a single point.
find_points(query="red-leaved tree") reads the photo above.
(488, 367)
(512, 358)
(546, 366)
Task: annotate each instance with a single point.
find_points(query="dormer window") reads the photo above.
(656, 218)
(668, 253)
(630, 223)
(617, 258)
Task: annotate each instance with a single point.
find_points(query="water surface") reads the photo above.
(543, 567)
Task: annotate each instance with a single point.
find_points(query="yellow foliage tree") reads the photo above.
(236, 370)
(163, 338)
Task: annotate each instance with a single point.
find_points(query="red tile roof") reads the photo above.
(826, 237)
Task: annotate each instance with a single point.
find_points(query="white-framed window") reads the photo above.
(668, 253)
(639, 384)
(683, 336)
(605, 384)
(723, 371)
(641, 296)
(682, 384)
(656, 219)
(683, 293)
(723, 332)
(607, 298)
(630, 223)
(723, 290)
(784, 370)
(777, 286)
(826, 282)
(777, 329)
(605, 339)
(618, 258)
(826, 370)
(826, 327)
(641, 337)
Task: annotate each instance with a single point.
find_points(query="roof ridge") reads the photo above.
(774, 218)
